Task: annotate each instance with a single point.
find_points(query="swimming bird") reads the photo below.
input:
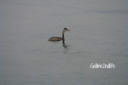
(56, 38)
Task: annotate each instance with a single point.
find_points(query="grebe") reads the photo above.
(56, 38)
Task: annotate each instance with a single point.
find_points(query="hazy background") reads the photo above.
(99, 33)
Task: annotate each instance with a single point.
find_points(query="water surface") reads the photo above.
(98, 34)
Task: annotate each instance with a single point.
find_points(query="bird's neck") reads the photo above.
(63, 38)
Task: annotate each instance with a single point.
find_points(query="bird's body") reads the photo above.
(56, 38)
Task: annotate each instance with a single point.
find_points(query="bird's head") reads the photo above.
(66, 29)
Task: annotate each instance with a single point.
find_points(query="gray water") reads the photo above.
(98, 35)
